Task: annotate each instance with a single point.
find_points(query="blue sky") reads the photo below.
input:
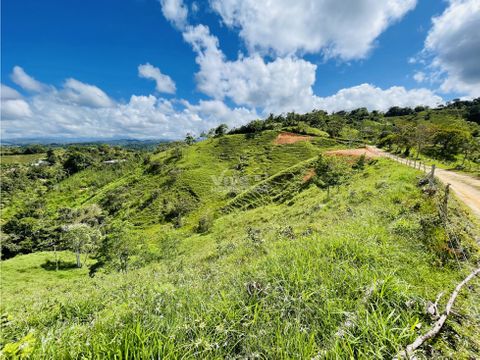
(149, 68)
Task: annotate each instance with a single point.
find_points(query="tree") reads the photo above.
(51, 157)
(404, 136)
(468, 148)
(330, 172)
(350, 134)
(450, 140)
(77, 161)
(34, 149)
(473, 113)
(119, 247)
(359, 114)
(399, 111)
(221, 130)
(334, 125)
(421, 137)
(189, 139)
(82, 239)
(254, 126)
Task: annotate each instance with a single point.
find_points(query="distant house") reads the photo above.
(114, 161)
(41, 163)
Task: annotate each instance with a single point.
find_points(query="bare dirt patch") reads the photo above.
(290, 138)
(368, 152)
(308, 175)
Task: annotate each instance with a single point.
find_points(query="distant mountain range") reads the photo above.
(63, 141)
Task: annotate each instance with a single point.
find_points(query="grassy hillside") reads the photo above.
(241, 255)
(22, 159)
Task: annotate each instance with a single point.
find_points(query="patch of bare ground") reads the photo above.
(308, 175)
(368, 152)
(290, 138)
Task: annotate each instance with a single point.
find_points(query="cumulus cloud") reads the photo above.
(53, 113)
(21, 78)
(7, 93)
(282, 84)
(82, 110)
(419, 76)
(375, 98)
(454, 43)
(164, 84)
(13, 105)
(14, 109)
(175, 12)
(83, 94)
(346, 29)
(216, 112)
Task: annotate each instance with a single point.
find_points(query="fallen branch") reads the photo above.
(437, 326)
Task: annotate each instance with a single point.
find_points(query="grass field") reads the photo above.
(21, 159)
(312, 276)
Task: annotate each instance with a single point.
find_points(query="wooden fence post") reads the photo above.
(445, 203)
(431, 178)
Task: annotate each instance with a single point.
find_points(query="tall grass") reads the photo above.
(345, 276)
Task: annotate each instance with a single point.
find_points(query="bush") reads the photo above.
(204, 224)
(77, 161)
(331, 172)
(155, 168)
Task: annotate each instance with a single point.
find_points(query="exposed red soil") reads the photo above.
(368, 152)
(308, 175)
(290, 138)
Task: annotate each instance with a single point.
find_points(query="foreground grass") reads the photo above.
(345, 276)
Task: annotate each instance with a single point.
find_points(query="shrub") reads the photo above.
(204, 224)
(330, 172)
(155, 168)
(77, 161)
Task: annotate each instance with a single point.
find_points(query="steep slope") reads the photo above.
(306, 275)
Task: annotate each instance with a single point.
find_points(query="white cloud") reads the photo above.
(215, 112)
(82, 110)
(164, 83)
(375, 98)
(454, 43)
(15, 109)
(284, 84)
(21, 78)
(7, 93)
(13, 105)
(281, 85)
(419, 76)
(84, 94)
(175, 12)
(346, 29)
(251, 83)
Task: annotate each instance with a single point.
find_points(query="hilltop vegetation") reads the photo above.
(241, 245)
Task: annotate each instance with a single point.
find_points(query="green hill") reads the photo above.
(233, 247)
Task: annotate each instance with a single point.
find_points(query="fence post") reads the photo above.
(431, 178)
(445, 203)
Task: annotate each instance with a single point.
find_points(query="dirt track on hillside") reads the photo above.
(368, 152)
(465, 187)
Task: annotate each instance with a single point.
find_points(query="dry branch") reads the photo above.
(437, 326)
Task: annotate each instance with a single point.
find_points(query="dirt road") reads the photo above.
(465, 187)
